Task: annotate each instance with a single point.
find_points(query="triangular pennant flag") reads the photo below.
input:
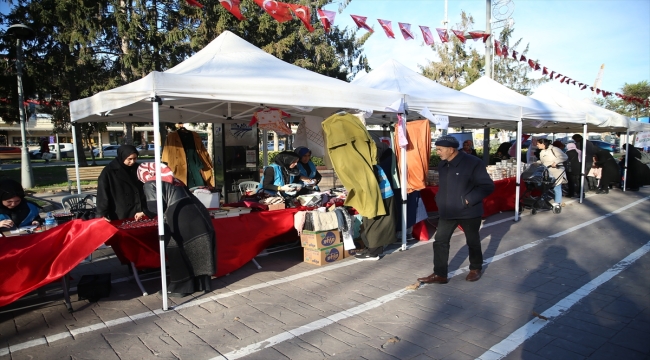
(233, 7)
(497, 48)
(361, 22)
(514, 54)
(302, 13)
(459, 34)
(583, 87)
(426, 33)
(562, 81)
(522, 58)
(479, 35)
(551, 75)
(544, 71)
(444, 37)
(388, 27)
(619, 95)
(406, 31)
(573, 82)
(598, 92)
(537, 67)
(194, 3)
(531, 63)
(557, 76)
(327, 18)
(591, 88)
(505, 51)
(580, 84)
(280, 11)
(568, 80)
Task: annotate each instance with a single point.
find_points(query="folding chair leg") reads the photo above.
(137, 279)
(256, 264)
(66, 295)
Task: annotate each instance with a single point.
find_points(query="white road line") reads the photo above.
(512, 342)
(63, 335)
(321, 323)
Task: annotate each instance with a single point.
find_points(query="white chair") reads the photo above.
(247, 187)
(78, 202)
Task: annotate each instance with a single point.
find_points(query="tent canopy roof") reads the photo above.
(463, 110)
(229, 78)
(538, 116)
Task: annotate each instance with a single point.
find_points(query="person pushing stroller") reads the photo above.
(553, 158)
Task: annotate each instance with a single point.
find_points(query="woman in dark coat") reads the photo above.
(190, 240)
(638, 173)
(15, 211)
(573, 168)
(611, 173)
(119, 192)
(501, 154)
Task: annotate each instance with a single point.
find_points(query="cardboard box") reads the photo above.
(276, 207)
(320, 239)
(348, 253)
(324, 256)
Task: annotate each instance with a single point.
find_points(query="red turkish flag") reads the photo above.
(619, 95)
(583, 87)
(598, 91)
(302, 13)
(388, 27)
(591, 88)
(405, 29)
(444, 37)
(573, 82)
(522, 58)
(557, 76)
(459, 34)
(479, 35)
(426, 33)
(537, 67)
(568, 80)
(327, 18)
(544, 71)
(280, 11)
(505, 51)
(562, 81)
(361, 22)
(531, 63)
(497, 48)
(194, 3)
(233, 7)
(514, 54)
(552, 74)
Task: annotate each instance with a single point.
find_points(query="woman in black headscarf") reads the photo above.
(638, 173)
(502, 153)
(610, 174)
(119, 192)
(280, 174)
(15, 211)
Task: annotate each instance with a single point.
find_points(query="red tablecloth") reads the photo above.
(239, 239)
(30, 261)
(502, 199)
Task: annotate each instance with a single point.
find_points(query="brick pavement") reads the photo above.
(458, 320)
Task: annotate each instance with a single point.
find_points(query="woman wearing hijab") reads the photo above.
(553, 158)
(610, 172)
(468, 148)
(638, 173)
(15, 211)
(502, 153)
(119, 192)
(280, 174)
(308, 173)
(573, 168)
(190, 240)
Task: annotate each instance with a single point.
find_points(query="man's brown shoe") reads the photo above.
(433, 279)
(473, 275)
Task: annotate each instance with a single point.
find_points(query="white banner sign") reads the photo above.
(642, 139)
(441, 121)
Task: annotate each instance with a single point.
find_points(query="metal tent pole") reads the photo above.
(584, 157)
(518, 179)
(76, 158)
(627, 150)
(159, 204)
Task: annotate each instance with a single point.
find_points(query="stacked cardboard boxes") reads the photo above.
(322, 247)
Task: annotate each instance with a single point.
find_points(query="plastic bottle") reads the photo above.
(50, 221)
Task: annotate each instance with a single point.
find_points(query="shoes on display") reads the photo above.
(474, 275)
(433, 279)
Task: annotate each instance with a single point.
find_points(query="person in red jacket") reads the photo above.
(464, 183)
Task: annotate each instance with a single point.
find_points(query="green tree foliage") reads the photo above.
(631, 109)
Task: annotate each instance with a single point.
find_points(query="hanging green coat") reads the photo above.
(353, 153)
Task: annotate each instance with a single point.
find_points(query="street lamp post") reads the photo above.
(22, 32)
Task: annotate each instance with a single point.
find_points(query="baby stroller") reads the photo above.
(538, 181)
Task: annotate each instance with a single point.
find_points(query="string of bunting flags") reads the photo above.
(503, 51)
(282, 12)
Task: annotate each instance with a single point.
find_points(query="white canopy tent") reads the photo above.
(226, 81)
(536, 116)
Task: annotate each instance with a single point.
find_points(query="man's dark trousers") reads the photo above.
(445, 229)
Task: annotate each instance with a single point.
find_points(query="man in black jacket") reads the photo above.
(464, 183)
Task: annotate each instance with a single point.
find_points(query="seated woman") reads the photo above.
(277, 176)
(119, 192)
(501, 154)
(190, 240)
(15, 211)
(309, 176)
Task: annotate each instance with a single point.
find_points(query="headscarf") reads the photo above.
(124, 152)
(558, 144)
(285, 159)
(147, 172)
(572, 146)
(503, 148)
(9, 189)
(302, 151)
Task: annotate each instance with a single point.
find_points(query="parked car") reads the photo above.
(146, 150)
(67, 149)
(110, 151)
(10, 153)
(606, 146)
(269, 146)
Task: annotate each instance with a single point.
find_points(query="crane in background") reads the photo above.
(599, 80)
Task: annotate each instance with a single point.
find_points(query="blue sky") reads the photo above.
(573, 37)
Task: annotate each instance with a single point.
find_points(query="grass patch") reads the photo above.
(44, 177)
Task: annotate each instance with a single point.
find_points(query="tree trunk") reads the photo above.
(128, 134)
